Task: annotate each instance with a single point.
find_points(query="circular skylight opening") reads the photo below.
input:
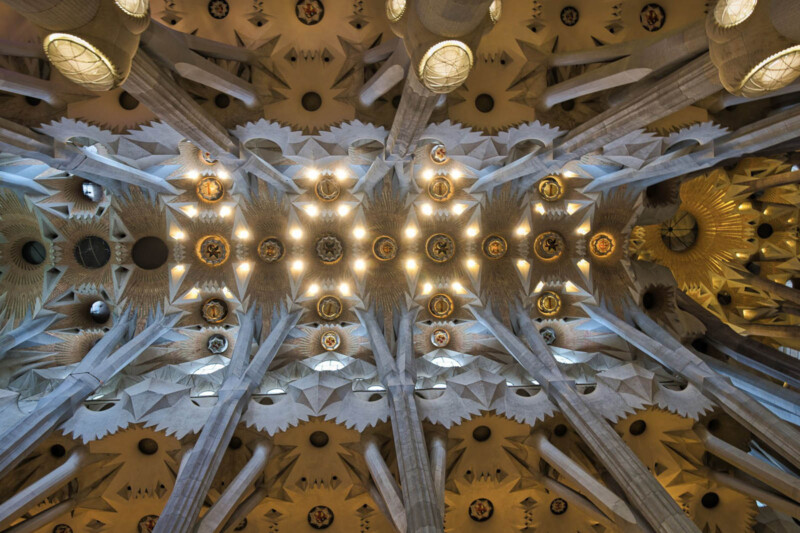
(445, 362)
(208, 369)
(729, 13)
(329, 366)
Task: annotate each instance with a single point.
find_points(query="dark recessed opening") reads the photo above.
(235, 443)
(396, 101)
(149, 253)
(31, 101)
(173, 22)
(568, 105)
(588, 389)
(318, 439)
(57, 451)
(753, 268)
(92, 252)
(765, 231)
(148, 446)
(637, 427)
(724, 298)
(713, 425)
(524, 393)
(34, 252)
(648, 300)
(484, 102)
(710, 500)
(128, 101)
(482, 433)
(700, 344)
(311, 101)
(100, 312)
(222, 100)
(374, 397)
(560, 430)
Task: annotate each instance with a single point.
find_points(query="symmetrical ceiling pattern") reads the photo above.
(415, 265)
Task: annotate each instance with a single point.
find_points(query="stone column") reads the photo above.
(154, 87)
(452, 18)
(661, 346)
(56, 15)
(197, 472)
(776, 180)
(766, 497)
(741, 348)
(40, 520)
(437, 450)
(398, 376)
(24, 140)
(246, 507)
(26, 85)
(221, 511)
(23, 500)
(97, 367)
(642, 489)
(29, 328)
(776, 289)
(384, 481)
(787, 484)
(413, 113)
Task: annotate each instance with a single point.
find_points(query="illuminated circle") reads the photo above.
(330, 249)
(445, 66)
(440, 247)
(601, 245)
(440, 337)
(99, 312)
(652, 17)
(680, 232)
(320, 517)
(495, 10)
(214, 310)
(569, 16)
(548, 303)
(384, 248)
(80, 62)
(439, 154)
(395, 9)
(440, 305)
(210, 189)
(217, 343)
(548, 246)
(327, 189)
(481, 510)
(494, 247)
(92, 252)
(558, 506)
(728, 13)
(62, 528)
(773, 73)
(148, 523)
(134, 8)
(440, 189)
(212, 250)
(271, 250)
(330, 341)
(548, 334)
(329, 307)
(91, 191)
(550, 188)
(309, 12)
(205, 158)
(218, 9)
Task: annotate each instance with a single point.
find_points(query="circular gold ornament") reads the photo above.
(494, 247)
(440, 189)
(384, 248)
(601, 245)
(548, 303)
(206, 158)
(481, 510)
(550, 188)
(212, 250)
(558, 506)
(329, 307)
(214, 310)
(271, 250)
(210, 189)
(330, 249)
(439, 154)
(440, 337)
(440, 305)
(548, 246)
(440, 247)
(330, 341)
(327, 189)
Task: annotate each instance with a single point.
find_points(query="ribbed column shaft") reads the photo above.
(413, 113)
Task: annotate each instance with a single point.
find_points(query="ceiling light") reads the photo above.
(427, 174)
(472, 231)
(313, 289)
(341, 174)
(295, 233)
(360, 265)
(459, 208)
(344, 289)
(522, 230)
(329, 366)
(208, 369)
(343, 209)
(456, 174)
(178, 235)
(297, 265)
(359, 232)
(193, 174)
(411, 265)
(427, 209)
(427, 288)
(445, 362)
(224, 211)
(311, 210)
(411, 232)
(243, 233)
(312, 173)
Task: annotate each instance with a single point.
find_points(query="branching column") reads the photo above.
(642, 489)
(413, 113)
(398, 376)
(198, 470)
(97, 367)
(29, 328)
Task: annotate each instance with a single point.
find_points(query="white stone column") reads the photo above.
(384, 481)
(28, 329)
(413, 113)
(437, 450)
(23, 500)
(221, 511)
(38, 521)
